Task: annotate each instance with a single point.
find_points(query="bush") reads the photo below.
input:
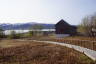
(2, 35)
(30, 33)
(13, 35)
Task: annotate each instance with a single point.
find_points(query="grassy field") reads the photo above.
(29, 52)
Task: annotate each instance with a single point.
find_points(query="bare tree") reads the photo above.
(88, 26)
(36, 29)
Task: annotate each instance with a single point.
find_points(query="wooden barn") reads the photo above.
(62, 29)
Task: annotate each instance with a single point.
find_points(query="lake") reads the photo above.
(7, 32)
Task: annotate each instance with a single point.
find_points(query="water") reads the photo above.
(7, 32)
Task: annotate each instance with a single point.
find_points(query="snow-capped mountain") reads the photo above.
(17, 26)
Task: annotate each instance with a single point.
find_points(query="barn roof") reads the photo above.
(62, 22)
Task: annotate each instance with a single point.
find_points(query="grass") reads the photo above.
(86, 42)
(10, 43)
(85, 59)
(29, 52)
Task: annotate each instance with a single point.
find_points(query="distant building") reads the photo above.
(64, 29)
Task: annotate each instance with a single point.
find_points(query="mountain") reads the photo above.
(17, 26)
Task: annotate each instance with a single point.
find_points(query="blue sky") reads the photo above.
(45, 11)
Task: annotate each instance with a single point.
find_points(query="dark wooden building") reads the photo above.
(62, 27)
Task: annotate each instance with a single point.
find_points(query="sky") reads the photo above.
(45, 11)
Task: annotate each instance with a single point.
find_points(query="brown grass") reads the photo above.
(87, 42)
(40, 53)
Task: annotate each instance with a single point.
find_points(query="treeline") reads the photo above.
(12, 35)
(34, 31)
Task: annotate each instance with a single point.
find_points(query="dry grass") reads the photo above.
(80, 41)
(11, 43)
(40, 53)
(81, 38)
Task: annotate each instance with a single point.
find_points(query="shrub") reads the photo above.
(2, 35)
(13, 35)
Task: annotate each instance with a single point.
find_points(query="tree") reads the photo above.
(1, 33)
(36, 29)
(13, 35)
(30, 34)
(88, 26)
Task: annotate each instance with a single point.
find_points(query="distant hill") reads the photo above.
(17, 26)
